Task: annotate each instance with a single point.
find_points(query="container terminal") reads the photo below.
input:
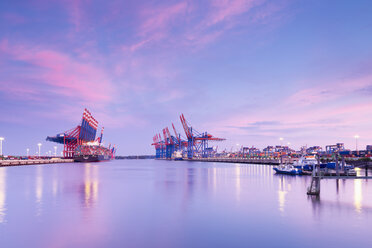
(195, 146)
(80, 144)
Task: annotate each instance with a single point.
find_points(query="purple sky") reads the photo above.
(250, 71)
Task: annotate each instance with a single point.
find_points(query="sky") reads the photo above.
(250, 71)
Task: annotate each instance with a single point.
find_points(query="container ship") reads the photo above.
(92, 152)
(81, 144)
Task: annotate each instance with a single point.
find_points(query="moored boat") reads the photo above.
(287, 169)
(177, 155)
(92, 152)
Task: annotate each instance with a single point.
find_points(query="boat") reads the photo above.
(92, 152)
(306, 163)
(177, 155)
(332, 165)
(287, 169)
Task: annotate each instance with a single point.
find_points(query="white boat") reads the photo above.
(306, 160)
(177, 155)
(287, 169)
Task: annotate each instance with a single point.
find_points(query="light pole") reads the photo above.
(356, 143)
(1, 146)
(39, 145)
(281, 141)
(28, 150)
(55, 151)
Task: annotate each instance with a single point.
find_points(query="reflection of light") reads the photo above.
(39, 184)
(55, 182)
(358, 195)
(281, 194)
(281, 200)
(214, 179)
(2, 194)
(237, 184)
(39, 188)
(55, 187)
(90, 185)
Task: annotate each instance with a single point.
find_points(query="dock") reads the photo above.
(4, 163)
(268, 161)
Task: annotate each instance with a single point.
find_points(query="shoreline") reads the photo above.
(4, 163)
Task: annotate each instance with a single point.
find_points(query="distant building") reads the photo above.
(314, 149)
(335, 148)
(250, 151)
(268, 151)
(369, 148)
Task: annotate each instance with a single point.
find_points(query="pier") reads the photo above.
(339, 173)
(268, 161)
(4, 163)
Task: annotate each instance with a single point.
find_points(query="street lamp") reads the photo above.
(281, 141)
(55, 151)
(1, 146)
(28, 150)
(39, 145)
(356, 143)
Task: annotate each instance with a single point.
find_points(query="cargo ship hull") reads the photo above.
(91, 158)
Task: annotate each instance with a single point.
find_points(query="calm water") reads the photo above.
(147, 203)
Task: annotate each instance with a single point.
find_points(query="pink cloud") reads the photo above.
(328, 112)
(161, 18)
(329, 91)
(158, 22)
(65, 75)
(223, 10)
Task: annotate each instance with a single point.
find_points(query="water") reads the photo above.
(148, 203)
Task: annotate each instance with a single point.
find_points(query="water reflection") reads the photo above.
(90, 186)
(119, 203)
(237, 182)
(281, 194)
(55, 182)
(39, 189)
(358, 195)
(2, 194)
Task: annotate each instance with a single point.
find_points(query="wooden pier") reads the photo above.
(4, 163)
(339, 173)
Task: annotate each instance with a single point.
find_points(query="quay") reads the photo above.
(4, 163)
(268, 161)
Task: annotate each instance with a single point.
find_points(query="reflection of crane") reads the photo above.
(197, 142)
